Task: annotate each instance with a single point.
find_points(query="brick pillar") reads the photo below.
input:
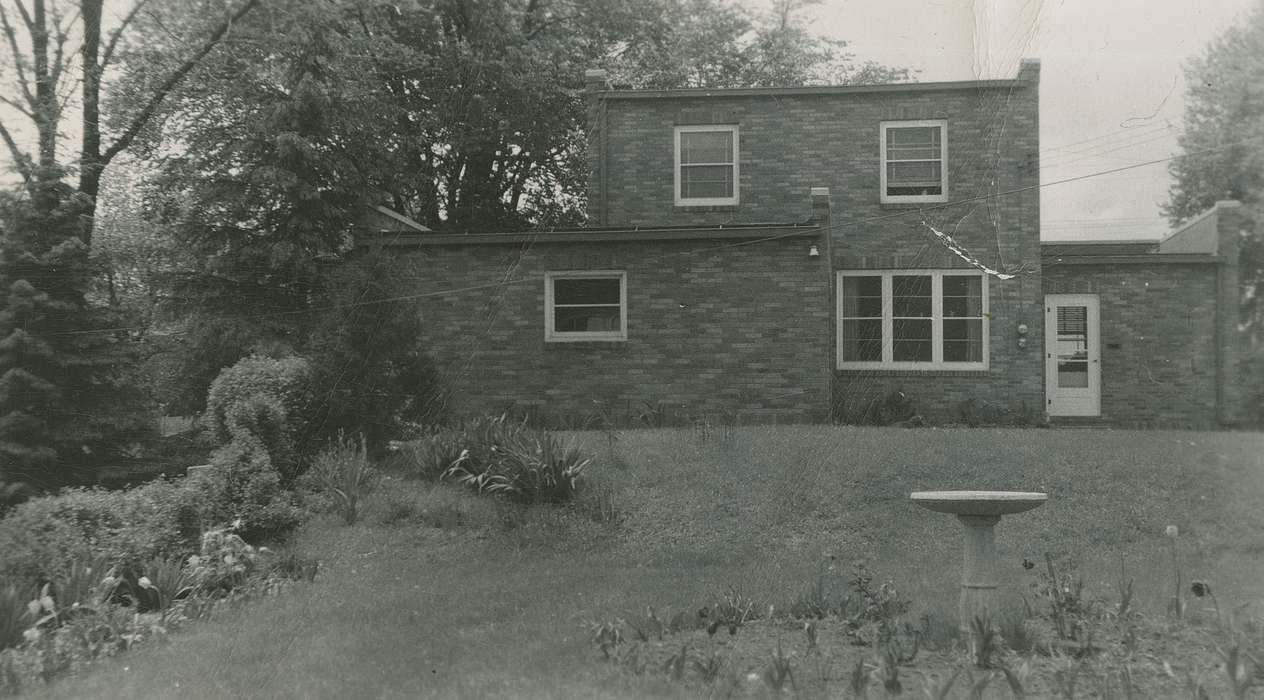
(1229, 390)
(821, 217)
(594, 84)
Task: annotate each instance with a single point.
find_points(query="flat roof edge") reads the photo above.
(1005, 84)
(749, 233)
(1138, 259)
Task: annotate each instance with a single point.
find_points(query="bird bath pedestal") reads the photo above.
(979, 512)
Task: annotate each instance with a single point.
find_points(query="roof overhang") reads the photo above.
(752, 233)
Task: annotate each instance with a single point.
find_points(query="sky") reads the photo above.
(1111, 86)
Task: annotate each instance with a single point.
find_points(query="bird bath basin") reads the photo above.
(979, 512)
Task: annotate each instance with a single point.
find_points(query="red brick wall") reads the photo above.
(722, 333)
(791, 143)
(1158, 339)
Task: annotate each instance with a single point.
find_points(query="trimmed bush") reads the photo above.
(265, 403)
(241, 485)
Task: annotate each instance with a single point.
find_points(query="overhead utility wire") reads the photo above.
(911, 212)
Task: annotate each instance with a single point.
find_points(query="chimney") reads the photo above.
(595, 83)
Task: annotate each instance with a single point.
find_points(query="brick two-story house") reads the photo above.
(797, 254)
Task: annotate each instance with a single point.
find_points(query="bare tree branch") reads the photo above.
(63, 34)
(26, 16)
(137, 122)
(21, 161)
(112, 42)
(18, 57)
(21, 108)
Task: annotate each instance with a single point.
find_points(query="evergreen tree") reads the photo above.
(65, 407)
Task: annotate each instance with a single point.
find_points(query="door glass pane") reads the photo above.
(1071, 347)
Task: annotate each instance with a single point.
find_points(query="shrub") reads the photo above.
(264, 402)
(241, 486)
(367, 356)
(343, 472)
(223, 563)
(526, 466)
(44, 539)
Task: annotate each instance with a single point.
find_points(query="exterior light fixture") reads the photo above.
(814, 252)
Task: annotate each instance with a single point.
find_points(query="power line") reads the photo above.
(919, 212)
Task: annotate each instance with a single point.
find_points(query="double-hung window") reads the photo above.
(585, 306)
(706, 165)
(914, 159)
(912, 319)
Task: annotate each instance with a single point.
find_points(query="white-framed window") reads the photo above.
(706, 165)
(912, 319)
(585, 306)
(914, 161)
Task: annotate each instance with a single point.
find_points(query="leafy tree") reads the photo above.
(1223, 147)
(465, 116)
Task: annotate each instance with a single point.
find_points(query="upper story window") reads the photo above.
(706, 165)
(912, 319)
(914, 156)
(585, 306)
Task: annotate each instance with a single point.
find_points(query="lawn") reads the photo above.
(464, 597)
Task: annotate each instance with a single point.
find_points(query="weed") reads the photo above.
(647, 626)
(708, 669)
(935, 690)
(343, 472)
(779, 672)
(1241, 670)
(676, 664)
(166, 580)
(1068, 608)
(1175, 606)
(889, 674)
(984, 642)
(1017, 679)
(1067, 675)
(977, 687)
(14, 615)
(1124, 589)
(859, 679)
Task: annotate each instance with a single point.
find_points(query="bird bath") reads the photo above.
(979, 512)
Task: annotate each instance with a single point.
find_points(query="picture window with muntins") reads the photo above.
(912, 319)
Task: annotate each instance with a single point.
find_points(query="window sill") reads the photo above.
(705, 207)
(910, 205)
(889, 372)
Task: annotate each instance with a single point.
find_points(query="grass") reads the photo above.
(492, 601)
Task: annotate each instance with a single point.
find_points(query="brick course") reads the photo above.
(737, 333)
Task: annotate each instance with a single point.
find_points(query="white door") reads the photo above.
(1073, 368)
